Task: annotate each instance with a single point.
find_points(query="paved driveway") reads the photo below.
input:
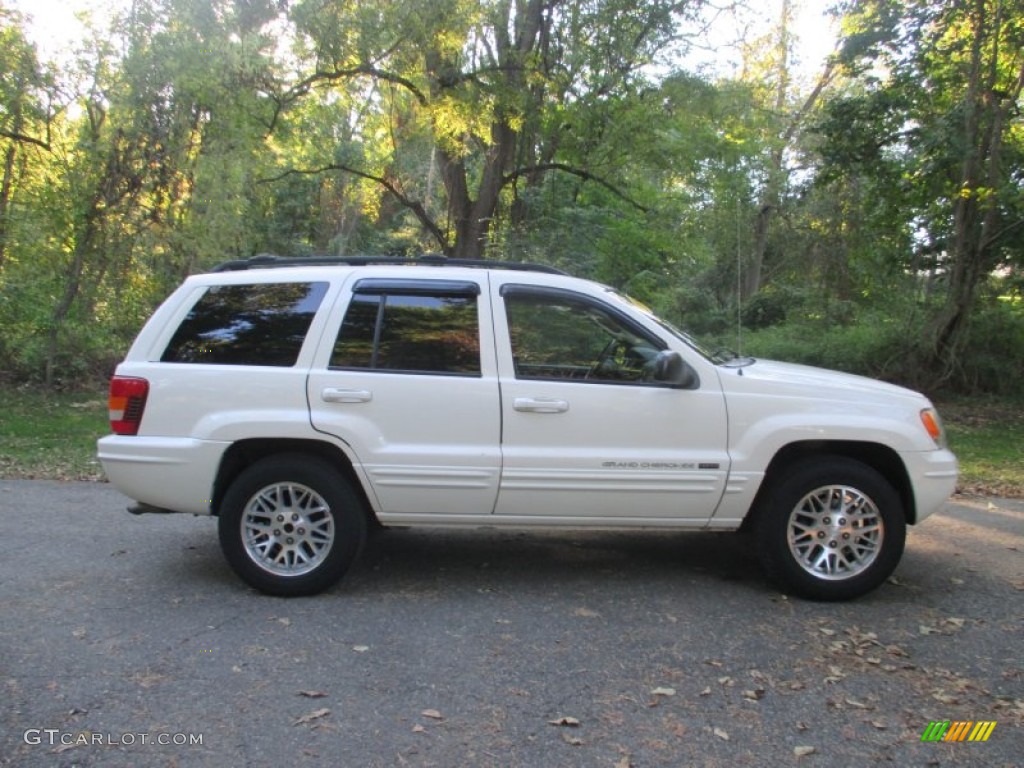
(126, 641)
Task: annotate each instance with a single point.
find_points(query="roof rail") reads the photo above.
(268, 260)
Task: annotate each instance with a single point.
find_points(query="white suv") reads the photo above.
(302, 401)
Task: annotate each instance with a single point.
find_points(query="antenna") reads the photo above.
(739, 284)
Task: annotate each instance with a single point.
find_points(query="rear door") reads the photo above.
(409, 386)
(587, 433)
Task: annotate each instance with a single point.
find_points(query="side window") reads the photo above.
(257, 324)
(576, 339)
(411, 329)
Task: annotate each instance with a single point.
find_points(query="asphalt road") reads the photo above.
(127, 641)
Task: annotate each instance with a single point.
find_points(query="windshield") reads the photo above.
(719, 356)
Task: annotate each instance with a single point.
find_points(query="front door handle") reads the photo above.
(338, 395)
(540, 405)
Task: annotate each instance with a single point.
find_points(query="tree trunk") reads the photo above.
(975, 209)
(73, 279)
(6, 187)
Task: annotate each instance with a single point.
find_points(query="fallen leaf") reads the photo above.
(316, 714)
(721, 734)
(418, 729)
(858, 704)
(433, 714)
(754, 695)
(879, 725)
(663, 692)
(360, 648)
(586, 613)
(803, 751)
(570, 722)
(625, 762)
(312, 694)
(575, 741)
(706, 691)
(286, 622)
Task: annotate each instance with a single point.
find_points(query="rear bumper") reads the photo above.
(934, 474)
(173, 473)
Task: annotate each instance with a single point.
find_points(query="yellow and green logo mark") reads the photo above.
(958, 730)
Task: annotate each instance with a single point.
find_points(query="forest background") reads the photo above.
(867, 217)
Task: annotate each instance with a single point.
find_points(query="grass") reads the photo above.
(987, 437)
(53, 435)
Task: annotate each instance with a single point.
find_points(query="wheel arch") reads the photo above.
(881, 458)
(244, 453)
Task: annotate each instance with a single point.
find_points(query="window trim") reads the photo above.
(397, 286)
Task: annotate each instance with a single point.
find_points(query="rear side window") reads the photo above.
(410, 328)
(258, 324)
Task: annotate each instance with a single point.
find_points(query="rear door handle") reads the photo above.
(540, 405)
(337, 395)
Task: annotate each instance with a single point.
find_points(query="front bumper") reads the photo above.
(934, 475)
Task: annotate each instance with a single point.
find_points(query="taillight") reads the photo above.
(127, 401)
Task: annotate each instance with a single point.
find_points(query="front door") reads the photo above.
(586, 432)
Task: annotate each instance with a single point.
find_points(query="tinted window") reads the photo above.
(262, 324)
(565, 338)
(413, 333)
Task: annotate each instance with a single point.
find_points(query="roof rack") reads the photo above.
(268, 260)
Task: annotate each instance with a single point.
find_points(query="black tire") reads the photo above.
(291, 525)
(830, 528)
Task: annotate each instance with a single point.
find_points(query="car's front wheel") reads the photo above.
(830, 529)
(291, 525)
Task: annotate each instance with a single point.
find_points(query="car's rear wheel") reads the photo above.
(291, 525)
(830, 529)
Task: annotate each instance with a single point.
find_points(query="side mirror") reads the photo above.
(671, 369)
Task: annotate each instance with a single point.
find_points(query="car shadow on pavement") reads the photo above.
(523, 559)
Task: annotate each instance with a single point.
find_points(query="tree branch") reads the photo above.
(413, 205)
(579, 172)
(16, 136)
(304, 85)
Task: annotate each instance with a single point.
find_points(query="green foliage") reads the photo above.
(194, 131)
